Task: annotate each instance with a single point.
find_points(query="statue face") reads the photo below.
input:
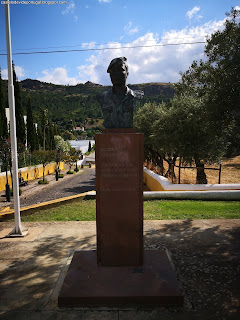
(118, 75)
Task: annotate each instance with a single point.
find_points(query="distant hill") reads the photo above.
(149, 89)
(71, 105)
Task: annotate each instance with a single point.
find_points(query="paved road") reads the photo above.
(69, 186)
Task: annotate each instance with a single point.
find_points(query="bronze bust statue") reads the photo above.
(118, 103)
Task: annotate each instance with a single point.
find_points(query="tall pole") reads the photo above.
(17, 230)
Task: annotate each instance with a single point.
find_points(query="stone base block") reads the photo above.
(87, 284)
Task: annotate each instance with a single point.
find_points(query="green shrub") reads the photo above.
(70, 172)
(20, 192)
(43, 182)
(61, 175)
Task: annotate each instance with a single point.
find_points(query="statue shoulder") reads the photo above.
(136, 93)
(103, 96)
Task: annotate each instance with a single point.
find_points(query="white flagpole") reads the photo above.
(17, 230)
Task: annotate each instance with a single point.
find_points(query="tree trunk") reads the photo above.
(171, 163)
(201, 175)
(44, 138)
(168, 173)
(160, 164)
(162, 168)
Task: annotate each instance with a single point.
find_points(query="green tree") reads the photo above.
(185, 130)
(20, 125)
(144, 120)
(76, 154)
(31, 131)
(180, 128)
(216, 82)
(70, 158)
(62, 149)
(44, 157)
(55, 130)
(44, 124)
(61, 144)
(3, 119)
(67, 135)
(50, 136)
(39, 136)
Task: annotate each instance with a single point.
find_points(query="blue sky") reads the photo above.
(87, 24)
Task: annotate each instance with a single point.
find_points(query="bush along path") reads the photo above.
(70, 185)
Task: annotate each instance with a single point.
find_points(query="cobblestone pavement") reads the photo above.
(70, 185)
(81, 182)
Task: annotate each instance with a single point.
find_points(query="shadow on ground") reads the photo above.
(84, 187)
(205, 257)
(207, 263)
(30, 277)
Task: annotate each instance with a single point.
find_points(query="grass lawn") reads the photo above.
(153, 210)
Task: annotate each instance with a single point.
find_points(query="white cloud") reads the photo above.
(134, 30)
(70, 9)
(128, 28)
(89, 45)
(193, 13)
(58, 76)
(104, 1)
(4, 74)
(20, 72)
(154, 63)
(237, 8)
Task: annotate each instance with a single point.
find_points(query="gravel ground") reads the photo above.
(206, 256)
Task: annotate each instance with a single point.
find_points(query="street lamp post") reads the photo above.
(18, 230)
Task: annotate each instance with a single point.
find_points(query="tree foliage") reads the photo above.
(61, 144)
(31, 130)
(202, 122)
(20, 125)
(44, 157)
(3, 119)
(215, 82)
(62, 149)
(72, 156)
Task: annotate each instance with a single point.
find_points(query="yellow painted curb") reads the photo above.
(4, 209)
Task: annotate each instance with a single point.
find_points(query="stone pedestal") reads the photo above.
(119, 197)
(120, 272)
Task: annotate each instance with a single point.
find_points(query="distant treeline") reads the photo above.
(70, 106)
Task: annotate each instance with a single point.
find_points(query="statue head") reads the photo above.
(118, 70)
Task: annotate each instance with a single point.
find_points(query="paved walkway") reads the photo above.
(205, 255)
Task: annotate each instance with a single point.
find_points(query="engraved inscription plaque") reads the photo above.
(119, 186)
